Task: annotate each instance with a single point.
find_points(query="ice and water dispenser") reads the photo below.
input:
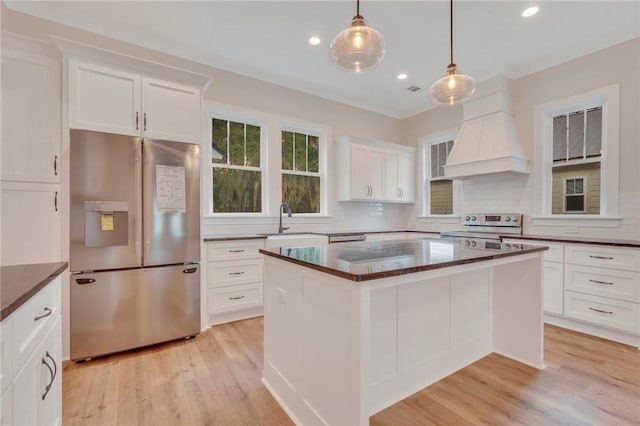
(106, 223)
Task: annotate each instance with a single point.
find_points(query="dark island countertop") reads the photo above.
(19, 283)
(363, 261)
(576, 240)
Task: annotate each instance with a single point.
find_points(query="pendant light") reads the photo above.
(453, 87)
(357, 48)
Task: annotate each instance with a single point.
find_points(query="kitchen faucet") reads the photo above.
(283, 206)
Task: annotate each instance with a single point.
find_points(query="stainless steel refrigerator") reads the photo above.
(135, 242)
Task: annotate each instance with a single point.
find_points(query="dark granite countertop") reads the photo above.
(363, 261)
(20, 282)
(577, 240)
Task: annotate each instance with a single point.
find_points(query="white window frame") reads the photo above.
(250, 119)
(321, 134)
(565, 195)
(425, 179)
(609, 98)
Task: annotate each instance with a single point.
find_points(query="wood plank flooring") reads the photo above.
(214, 379)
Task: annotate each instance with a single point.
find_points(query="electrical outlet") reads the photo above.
(571, 229)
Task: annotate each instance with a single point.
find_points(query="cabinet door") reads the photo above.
(30, 116)
(37, 389)
(31, 223)
(359, 180)
(6, 408)
(392, 187)
(375, 172)
(553, 287)
(406, 177)
(104, 99)
(170, 111)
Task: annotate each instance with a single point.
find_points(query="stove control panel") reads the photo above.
(492, 219)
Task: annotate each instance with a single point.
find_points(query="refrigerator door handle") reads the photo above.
(83, 281)
(190, 270)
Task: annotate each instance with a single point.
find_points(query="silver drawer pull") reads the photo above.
(47, 312)
(236, 251)
(601, 311)
(236, 298)
(236, 273)
(600, 282)
(601, 257)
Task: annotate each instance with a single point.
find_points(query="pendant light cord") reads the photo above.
(451, 32)
(357, 7)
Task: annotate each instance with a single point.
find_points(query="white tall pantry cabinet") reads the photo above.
(31, 159)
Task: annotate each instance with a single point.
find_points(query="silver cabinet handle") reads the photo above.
(601, 311)
(236, 298)
(144, 122)
(236, 273)
(55, 165)
(137, 121)
(55, 201)
(55, 366)
(48, 387)
(47, 312)
(236, 251)
(601, 257)
(600, 282)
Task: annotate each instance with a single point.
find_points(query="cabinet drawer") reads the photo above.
(222, 299)
(230, 250)
(622, 285)
(617, 314)
(628, 259)
(234, 272)
(32, 321)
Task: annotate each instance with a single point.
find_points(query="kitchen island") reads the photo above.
(353, 328)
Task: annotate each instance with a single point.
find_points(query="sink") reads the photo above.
(295, 240)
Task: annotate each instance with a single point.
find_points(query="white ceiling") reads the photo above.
(268, 39)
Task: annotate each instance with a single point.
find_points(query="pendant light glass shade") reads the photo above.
(453, 87)
(358, 48)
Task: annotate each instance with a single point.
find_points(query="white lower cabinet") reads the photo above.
(37, 389)
(234, 280)
(593, 288)
(553, 287)
(33, 395)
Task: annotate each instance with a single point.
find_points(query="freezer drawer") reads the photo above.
(119, 310)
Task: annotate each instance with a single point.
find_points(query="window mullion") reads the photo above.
(228, 141)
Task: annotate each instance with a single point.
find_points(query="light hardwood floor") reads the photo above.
(214, 379)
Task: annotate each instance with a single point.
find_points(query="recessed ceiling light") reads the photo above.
(530, 11)
(314, 41)
(402, 76)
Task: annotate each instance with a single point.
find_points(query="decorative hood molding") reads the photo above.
(487, 141)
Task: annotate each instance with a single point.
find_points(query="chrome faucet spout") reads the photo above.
(283, 206)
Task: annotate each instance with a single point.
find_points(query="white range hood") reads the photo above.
(487, 141)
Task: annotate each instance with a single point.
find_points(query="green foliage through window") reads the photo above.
(237, 177)
(301, 172)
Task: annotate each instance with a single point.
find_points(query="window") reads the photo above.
(236, 166)
(576, 163)
(441, 189)
(574, 195)
(577, 149)
(301, 177)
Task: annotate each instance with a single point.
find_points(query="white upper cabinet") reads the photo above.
(372, 170)
(30, 112)
(116, 101)
(399, 176)
(367, 173)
